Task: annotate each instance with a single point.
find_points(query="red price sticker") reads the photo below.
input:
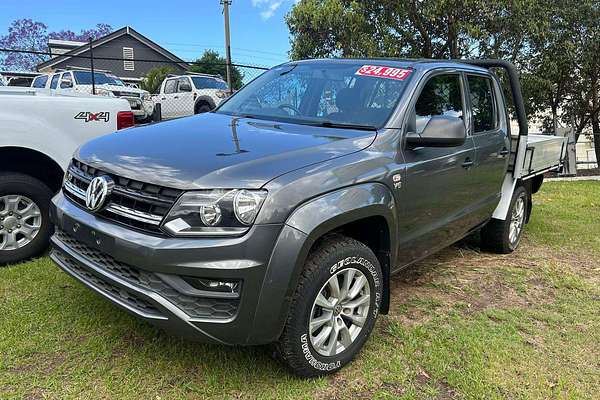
(377, 71)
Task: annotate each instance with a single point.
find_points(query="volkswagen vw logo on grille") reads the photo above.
(98, 191)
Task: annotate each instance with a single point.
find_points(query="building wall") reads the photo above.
(114, 49)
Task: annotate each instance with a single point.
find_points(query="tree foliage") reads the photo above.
(154, 78)
(554, 44)
(212, 63)
(26, 34)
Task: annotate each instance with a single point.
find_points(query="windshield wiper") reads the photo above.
(340, 125)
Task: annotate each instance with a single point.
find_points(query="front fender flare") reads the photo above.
(309, 222)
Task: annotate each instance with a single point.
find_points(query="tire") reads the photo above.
(345, 260)
(24, 219)
(496, 235)
(202, 108)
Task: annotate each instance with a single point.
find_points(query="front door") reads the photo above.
(168, 99)
(437, 189)
(184, 102)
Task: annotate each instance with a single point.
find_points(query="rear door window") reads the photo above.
(54, 81)
(483, 106)
(441, 96)
(40, 81)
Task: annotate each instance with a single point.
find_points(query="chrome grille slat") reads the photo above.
(129, 204)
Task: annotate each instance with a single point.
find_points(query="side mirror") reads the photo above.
(440, 131)
(66, 84)
(185, 87)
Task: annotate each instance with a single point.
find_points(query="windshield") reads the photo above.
(85, 78)
(118, 82)
(330, 94)
(208, 83)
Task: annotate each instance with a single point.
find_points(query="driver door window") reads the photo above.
(441, 95)
(66, 81)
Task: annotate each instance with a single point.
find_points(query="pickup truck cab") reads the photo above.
(106, 84)
(281, 216)
(40, 132)
(183, 95)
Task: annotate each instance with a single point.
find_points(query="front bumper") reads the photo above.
(138, 272)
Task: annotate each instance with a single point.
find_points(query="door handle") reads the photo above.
(504, 151)
(176, 97)
(468, 163)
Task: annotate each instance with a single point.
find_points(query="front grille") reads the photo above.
(126, 94)
(135, 204)
(195, 307)
(123, 295)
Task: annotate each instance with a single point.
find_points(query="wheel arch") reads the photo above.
(33, 163)
(356, 212)
(204, 100)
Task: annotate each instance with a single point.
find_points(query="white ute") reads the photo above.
(80, 81)
(183, 95)
(39, 131)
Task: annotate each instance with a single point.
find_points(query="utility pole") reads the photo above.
(92, 66)
(226, 4)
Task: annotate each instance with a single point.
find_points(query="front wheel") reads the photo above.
(24, 224)
(334, 308)
(202, 108)
(504, 236)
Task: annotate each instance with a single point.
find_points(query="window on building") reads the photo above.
(128, 63)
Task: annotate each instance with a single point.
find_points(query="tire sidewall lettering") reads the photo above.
(312, 361)
(376, 279)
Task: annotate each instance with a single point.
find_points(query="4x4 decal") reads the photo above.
(90, 116)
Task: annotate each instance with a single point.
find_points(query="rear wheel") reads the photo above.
(203, 108)
(334, 308)
(24, 224)
(504, 236)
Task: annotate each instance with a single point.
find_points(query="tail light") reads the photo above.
(125, 119)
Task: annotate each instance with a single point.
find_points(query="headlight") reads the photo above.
(145, 96)
(219, 212)
(221, 94)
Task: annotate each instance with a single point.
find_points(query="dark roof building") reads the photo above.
(128, 54)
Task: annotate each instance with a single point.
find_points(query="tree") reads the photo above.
(86, 34)
(154, 78)
(26, 34)
(212, 63)
(554, 44)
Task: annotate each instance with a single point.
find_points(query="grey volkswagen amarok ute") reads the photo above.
(279, 217)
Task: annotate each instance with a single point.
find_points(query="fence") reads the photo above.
(156, 89)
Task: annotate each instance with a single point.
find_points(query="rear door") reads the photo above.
(437, 191)
(491, 140)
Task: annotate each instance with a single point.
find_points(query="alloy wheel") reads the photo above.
(517, 220)
(339, 312)
(20, 221)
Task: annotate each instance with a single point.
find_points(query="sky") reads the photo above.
(259, 35)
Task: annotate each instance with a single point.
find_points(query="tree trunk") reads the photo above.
(596, 136)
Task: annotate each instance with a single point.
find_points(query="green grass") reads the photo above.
(463, 324)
